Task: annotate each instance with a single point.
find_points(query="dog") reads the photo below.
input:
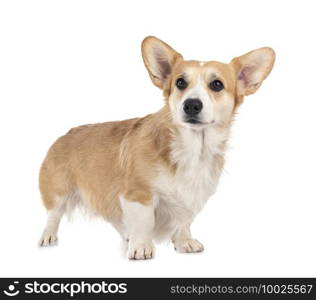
(150, 176)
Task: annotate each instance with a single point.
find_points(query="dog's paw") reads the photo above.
(188, 246)
(141, 251)
(48, 239)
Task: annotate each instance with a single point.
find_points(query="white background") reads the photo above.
(66, 63)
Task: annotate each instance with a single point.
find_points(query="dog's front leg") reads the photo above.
(139, 222)
(183, 241)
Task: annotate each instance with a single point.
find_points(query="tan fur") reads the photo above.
(106, 159)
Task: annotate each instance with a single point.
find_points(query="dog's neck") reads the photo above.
(189, 147)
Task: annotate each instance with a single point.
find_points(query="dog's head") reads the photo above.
(201, 94)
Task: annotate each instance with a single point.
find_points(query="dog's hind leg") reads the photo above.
(49, 236)
(57, 191)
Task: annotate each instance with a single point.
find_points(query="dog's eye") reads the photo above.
(216, 85)
(181, 83)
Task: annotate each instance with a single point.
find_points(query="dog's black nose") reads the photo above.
(192, 106)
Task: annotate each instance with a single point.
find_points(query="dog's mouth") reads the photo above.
(197, 122)
(193, 121)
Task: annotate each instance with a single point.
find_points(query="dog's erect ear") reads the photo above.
(159, 58)
(252, 68)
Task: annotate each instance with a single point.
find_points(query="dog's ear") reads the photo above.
(251, 69)
(159, 58)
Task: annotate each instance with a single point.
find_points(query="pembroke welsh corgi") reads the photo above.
(150, 176)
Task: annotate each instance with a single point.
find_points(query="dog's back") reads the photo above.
(73, 159)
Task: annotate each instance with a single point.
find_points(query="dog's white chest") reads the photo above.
(187, 189)
(182, 194)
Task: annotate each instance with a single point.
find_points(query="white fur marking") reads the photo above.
(49, 236)
(183, 194)
(139, 221)
(199, 92)
(188, 246)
